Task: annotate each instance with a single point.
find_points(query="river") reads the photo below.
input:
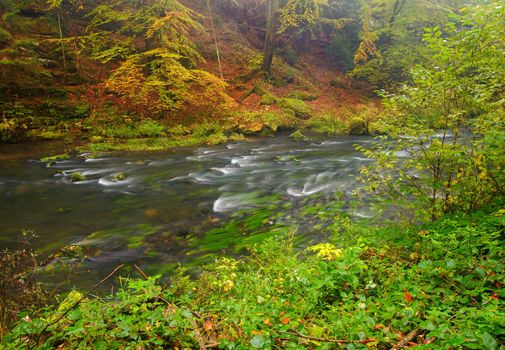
(156, 209)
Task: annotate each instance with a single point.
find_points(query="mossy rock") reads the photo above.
(267, 123)
(96, 139)
(327, 124)
(77, 177)
(119, 177)
(357, 126)
(377, 127)
(45, 134)
(299, 107)
(54, 159)
(267, 99)
(73, 252)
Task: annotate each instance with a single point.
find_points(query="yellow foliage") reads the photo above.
(156, 82)
(326, 251)
(367, 36)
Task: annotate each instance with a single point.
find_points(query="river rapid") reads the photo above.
(157, 209)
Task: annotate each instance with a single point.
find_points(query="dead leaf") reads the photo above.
(285, 320)
(207, 325)
(408, 297)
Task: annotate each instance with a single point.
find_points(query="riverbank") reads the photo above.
(366, 287)
(151, 135)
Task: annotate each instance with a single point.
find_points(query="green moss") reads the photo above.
(45, 134)
(327, 124)
(267, 99)
(54, 159)
(119, 177)
(77, 177)
(299, 107)
(357, 126)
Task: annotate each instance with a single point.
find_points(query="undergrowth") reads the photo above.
(437, 285)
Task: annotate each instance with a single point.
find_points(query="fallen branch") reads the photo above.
(212, 345)
(326, 340)
(75, 304)
(405, 340)
(198, 336)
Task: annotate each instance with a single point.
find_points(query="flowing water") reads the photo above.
(153, 209)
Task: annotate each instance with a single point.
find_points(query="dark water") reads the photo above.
(154, 216)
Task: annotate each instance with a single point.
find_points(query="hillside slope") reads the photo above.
(50, 88)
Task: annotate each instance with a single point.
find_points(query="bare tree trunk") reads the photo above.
(272, 8)
(215, 39)
(62, 44)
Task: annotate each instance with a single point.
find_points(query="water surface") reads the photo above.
(158, 214)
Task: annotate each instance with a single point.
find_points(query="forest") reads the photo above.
(252, 174)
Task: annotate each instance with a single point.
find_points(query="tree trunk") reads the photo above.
(216, 43)
(63, 55)
(272, 8)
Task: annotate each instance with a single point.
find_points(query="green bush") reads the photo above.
(149, 128)
(179, 130)
(342, 48)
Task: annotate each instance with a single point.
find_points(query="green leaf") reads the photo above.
(488, 341)
(257, 341)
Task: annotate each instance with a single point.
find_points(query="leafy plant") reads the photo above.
(443, 158)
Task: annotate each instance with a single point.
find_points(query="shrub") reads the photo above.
(149, 128)
(19, 287)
